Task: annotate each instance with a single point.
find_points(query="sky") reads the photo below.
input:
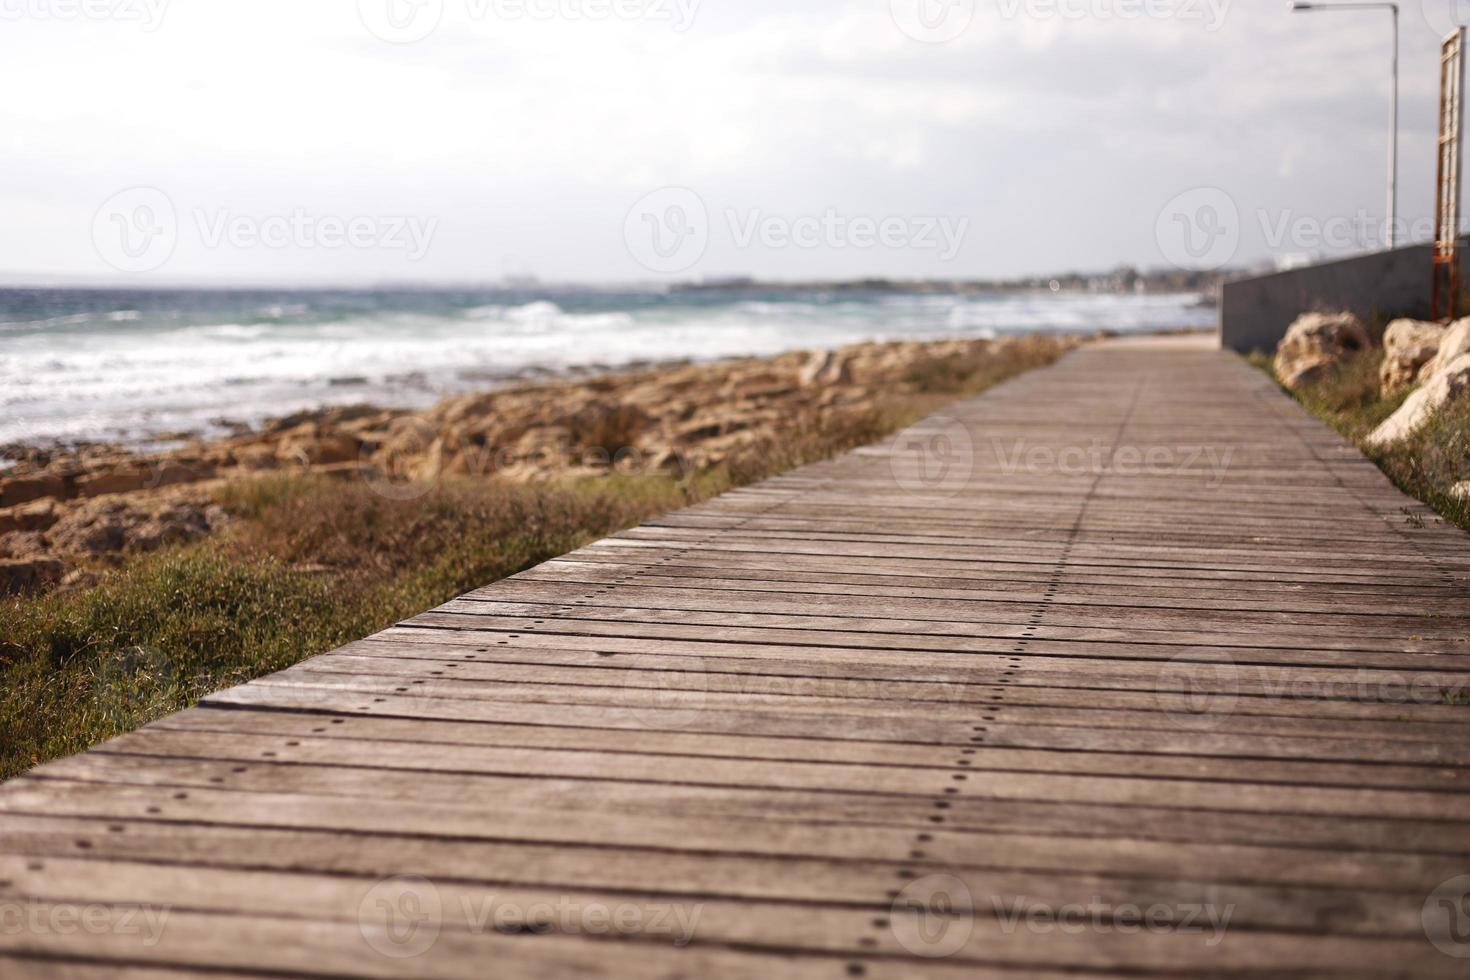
(350, 141)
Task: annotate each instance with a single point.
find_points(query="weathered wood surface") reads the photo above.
(1130, 648)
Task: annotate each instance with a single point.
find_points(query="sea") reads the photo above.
(150, 368)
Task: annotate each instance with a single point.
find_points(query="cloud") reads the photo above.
(1058, 137)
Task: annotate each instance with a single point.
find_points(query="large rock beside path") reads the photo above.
(1454, 342)
(1408, 345)
(1317, 342)
(1447, 384)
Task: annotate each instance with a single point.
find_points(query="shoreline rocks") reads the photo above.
(98, 503)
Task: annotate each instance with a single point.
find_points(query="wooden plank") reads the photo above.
(670, 717)
(611, 779)
(433, 736)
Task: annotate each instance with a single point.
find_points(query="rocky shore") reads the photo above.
(65, 514)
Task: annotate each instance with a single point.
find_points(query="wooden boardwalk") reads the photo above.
(1127, 667)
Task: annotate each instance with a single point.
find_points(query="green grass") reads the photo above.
(1425, 465)
(311, 564)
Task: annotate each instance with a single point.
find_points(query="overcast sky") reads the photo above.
(288, 140)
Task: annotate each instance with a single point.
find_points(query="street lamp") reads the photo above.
(1393, 146)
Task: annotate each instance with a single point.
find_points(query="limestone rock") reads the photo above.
(1448, 383)
(92, 531)
(255, 458)
(115, 525)
(37, 515)
(828, 367)
(1454, 342)
(1407, 346)
(133, 476)
(24, 489)
(22, 544)
(120, 480)
(172, 525)
(312, 450)
(1315, 343)
(607, 427)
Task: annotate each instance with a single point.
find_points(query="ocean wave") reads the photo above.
(492, 311)
(69, 320)
(776, 308)
(280, 311)
(542, 316)
(539, 312)
(229, 331)
(592, 322)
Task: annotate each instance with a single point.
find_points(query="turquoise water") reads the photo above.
(142, 366)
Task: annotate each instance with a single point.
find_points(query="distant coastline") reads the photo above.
(1122, 280)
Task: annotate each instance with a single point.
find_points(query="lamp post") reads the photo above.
(1393, 146)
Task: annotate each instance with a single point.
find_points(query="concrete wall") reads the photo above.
(1255, 312)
